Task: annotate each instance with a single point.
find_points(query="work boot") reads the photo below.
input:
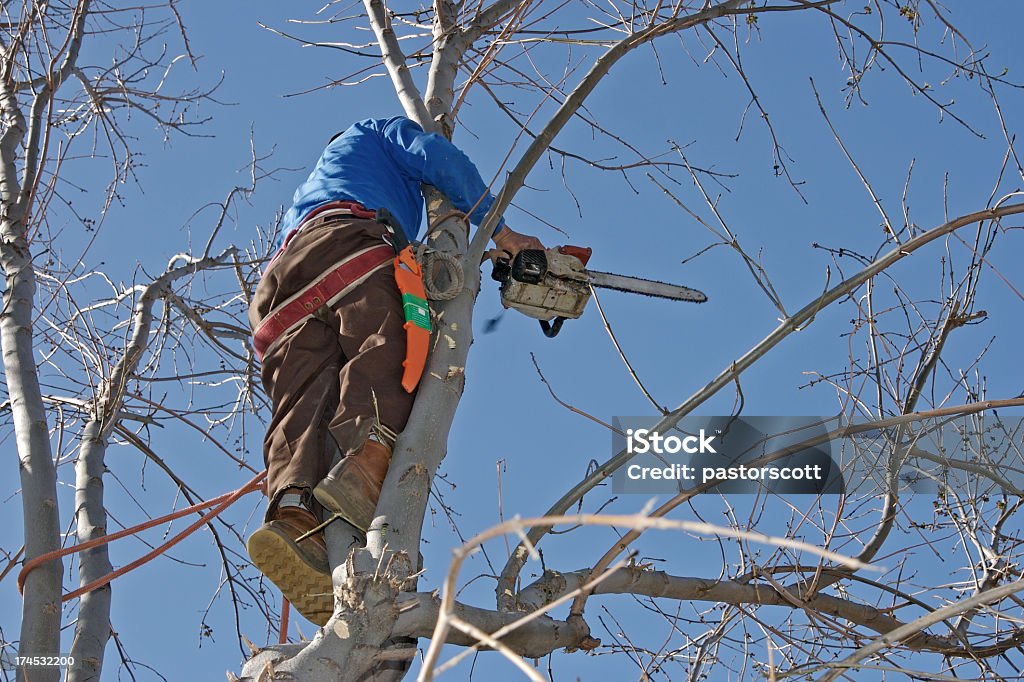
(352, 487)
(298, 568)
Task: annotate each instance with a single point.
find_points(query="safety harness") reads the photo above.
(348, 273)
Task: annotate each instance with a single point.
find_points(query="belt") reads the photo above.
(333, 208)
(319, 215)
(327, 289)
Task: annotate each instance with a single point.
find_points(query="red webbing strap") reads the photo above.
(330, 285)
(282, 637)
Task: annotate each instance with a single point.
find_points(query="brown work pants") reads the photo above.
(340, 372)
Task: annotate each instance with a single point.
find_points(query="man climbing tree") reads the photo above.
(329, 327)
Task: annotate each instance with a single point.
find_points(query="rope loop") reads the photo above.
(435, 262)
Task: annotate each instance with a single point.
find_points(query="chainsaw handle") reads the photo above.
(551, 329)
(501, 266)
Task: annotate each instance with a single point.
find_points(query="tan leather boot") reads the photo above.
(352, 487)
(299, 569)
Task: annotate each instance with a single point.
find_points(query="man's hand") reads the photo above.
(510, 242)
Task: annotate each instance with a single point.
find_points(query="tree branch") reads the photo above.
(418, 614)
(394, 60)
(912, 631)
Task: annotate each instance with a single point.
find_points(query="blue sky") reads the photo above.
(507, 419)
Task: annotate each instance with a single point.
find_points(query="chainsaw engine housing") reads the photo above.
(545, 284)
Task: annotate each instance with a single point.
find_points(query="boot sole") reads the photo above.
(339, 503)
(309, 590)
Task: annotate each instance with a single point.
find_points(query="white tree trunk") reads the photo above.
(40, 627)
(92, 631)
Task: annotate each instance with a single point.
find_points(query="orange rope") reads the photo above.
(283, 637)
(221, 502)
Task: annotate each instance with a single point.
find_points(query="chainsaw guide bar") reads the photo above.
(645, 287)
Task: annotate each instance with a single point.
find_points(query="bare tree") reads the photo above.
(809, 604)
(501, 48)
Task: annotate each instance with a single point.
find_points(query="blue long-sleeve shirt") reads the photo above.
(381, 163)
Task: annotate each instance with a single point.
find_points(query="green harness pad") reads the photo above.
(416, 310)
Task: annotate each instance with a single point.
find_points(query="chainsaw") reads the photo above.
(553, 285)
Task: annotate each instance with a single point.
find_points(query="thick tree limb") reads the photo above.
(659, 584)
(40, 629)
(417, 616)
(444, 65)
